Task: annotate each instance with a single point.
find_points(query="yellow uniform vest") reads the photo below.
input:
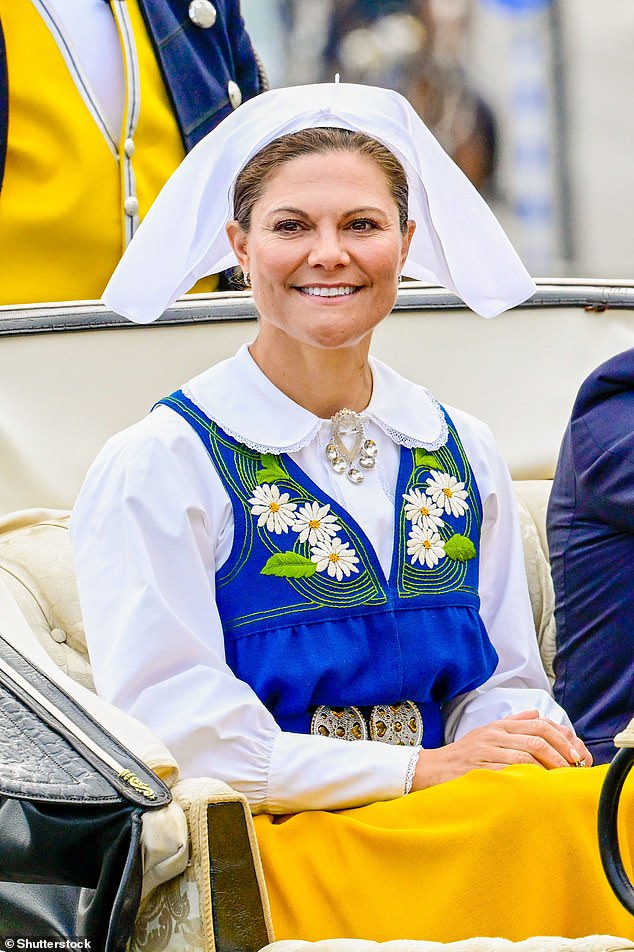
(73, 194)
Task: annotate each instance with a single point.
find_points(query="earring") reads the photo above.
(246, 278)
(400, 278)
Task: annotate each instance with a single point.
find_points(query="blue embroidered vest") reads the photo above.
(308, 615)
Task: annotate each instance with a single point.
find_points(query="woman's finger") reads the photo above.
(579, 755)
(551, 745)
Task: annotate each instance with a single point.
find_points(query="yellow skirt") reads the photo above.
(510, 853)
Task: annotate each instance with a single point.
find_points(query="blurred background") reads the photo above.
(532, 98)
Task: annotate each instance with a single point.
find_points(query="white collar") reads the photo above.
(238, 396)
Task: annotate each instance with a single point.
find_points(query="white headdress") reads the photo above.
(458, 243)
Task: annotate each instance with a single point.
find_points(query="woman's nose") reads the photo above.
(328, 250)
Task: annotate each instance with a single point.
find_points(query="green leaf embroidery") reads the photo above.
(269, 475)
(271, 471)
(289, 565)
(425, 459)
(460, 548)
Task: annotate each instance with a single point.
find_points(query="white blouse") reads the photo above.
(153, 524)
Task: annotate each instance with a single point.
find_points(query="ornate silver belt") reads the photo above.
(400, 724)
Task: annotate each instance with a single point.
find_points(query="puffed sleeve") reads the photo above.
(150, 526)
(519, 681)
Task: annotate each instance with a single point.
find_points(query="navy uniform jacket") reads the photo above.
(196, 63)
(591, 540)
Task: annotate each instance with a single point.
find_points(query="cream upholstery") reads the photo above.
(532, 500)
(36, 563)
(593, 943)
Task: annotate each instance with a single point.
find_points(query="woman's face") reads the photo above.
(324, 250)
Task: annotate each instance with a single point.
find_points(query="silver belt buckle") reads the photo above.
(344, 723)
(399, 724)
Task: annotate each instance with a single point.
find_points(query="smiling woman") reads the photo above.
(307, 576)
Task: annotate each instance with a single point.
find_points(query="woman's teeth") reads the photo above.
(329, 292)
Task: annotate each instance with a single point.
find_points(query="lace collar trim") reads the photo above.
(237, 396)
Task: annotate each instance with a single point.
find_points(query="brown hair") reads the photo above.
(252, 178)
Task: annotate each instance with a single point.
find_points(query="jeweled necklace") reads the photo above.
(345, 457)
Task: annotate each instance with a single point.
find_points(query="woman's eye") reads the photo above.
(363, 224)
(288, 226)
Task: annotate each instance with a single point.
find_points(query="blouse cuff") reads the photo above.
(310, 772)
(411, 770)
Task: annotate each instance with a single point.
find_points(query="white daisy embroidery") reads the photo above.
(272, 508)
(425, 546)
(421, 510)
(448, 493)
(336, 557)
(314, 523)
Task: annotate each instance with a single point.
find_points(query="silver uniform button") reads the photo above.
(202, 13)
(131, 206)
(235, 93)
(129, 147)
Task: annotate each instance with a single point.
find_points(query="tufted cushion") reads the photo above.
(36, 564)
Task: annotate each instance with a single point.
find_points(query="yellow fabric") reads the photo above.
(509, 853)
(61, 211)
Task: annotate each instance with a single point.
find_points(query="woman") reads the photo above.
(301, 554)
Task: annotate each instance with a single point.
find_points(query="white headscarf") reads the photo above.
(458, 242)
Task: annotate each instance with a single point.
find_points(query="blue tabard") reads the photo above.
(303, 634)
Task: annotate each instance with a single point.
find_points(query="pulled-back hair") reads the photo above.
(252, 178)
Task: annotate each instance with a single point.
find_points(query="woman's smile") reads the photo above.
(327, 291)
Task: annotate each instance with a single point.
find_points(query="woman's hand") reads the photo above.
(524, 738)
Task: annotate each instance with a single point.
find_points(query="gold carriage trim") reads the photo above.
(399, 724)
